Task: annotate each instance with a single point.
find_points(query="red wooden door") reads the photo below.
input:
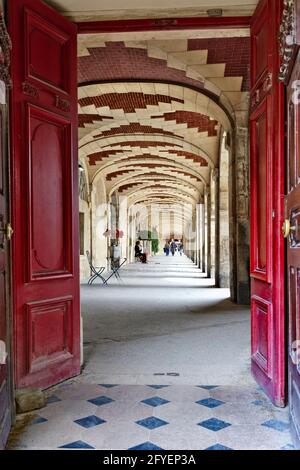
(290, 74)
(5, 404)
(267, 204)
(44, 195)
(292, 232)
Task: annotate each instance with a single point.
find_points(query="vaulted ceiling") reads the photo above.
(153, 105)
(151, 111)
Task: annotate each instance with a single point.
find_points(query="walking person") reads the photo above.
(173, 247)
(167, 248)
(180, 248)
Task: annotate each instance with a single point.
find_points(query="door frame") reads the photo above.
(277, 248)
(289, 65)
(5, 80)
(150, 25)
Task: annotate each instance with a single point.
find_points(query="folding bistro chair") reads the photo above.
(96, 271)
(115, 267)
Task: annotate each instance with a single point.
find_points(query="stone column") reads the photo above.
(223, 235)
(214, 191)
(131, 236)
(194, 234)
(199, 238)
(242, 225)
(207, 205)
(202, 237)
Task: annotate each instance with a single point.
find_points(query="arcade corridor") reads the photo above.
(127, 134)
(161, 349)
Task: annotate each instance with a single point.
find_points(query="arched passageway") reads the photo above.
(166, 149)
(163, 159)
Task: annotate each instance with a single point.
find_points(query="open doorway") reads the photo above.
(160, 158)
(156, 131)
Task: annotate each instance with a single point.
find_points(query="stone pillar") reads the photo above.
(207, 232)
(195, 235)
(198, 230)
(202, 237)
(214, 224)
(131, 236)
(241, 151)
(223, 232)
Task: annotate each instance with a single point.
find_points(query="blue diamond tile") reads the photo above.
(99, 401)
(108, 385)
(38, 420)
(214, 424)
(208, 387)
(151, 422)
(155, 401)
(157, 387)
(53, 399)
(146, 446)
(210, 402)
(277, 425)
(288, 447)
(257, 402)
(77, 445)
(89, 421)
(218, 447)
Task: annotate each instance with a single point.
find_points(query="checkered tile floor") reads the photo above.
(168, 417)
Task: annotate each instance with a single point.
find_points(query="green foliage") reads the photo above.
(147, 235)
(155, 246)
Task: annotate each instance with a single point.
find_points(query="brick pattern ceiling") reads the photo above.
(118, 62)
(129, 102)
(192, 120)
(145, 123)
(90, 118)
(136, 128)
(234, 52)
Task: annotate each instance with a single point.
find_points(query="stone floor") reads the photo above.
(165, 317)
(181, 417)
(166, 367)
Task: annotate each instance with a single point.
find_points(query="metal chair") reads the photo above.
(115, 267)
(96, 271)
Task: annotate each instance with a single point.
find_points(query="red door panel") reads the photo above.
(50, 135)
(293, 251)
(267, 204)
(5, 403)
(44, 195)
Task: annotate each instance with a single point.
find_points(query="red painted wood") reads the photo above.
(5, 404)
(44, 195)
(293, 242)
(89, 27)
(267, 207)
